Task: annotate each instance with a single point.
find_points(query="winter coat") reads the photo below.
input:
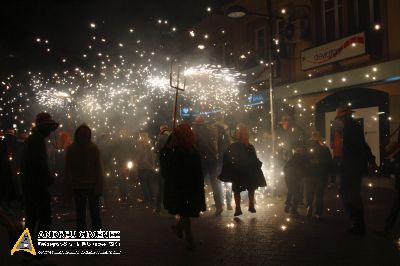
(242, 167)
(7, 188)
(356, 152)
(184, 181)
(320, 161)
(144, 156)
(35, 173)
(83, 167)
(296, 168)
(206, 142)
(291, 138)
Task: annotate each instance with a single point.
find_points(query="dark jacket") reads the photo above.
(206, 142)
(242, 167)
(291, 138)
(184, 181)
(83, 167)
(356, 152)
(296, 167)
(7, 188)
(35, 174)
(320, 161)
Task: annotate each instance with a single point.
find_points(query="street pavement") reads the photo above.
(268, 237)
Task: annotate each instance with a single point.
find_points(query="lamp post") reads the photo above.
(238, 12)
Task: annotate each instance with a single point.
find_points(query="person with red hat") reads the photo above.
(35, 175)
(181, 170)
(356, 157)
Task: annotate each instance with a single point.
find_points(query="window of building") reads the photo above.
(344, 17)
(366, 14)
(261, 44)
(332, 19)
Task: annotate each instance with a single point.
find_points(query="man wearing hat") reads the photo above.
(357, 157)
(35, 175)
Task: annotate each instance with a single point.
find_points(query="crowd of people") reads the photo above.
(173, 170)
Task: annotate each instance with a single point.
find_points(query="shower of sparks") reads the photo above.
(123, 87)
(117, 92)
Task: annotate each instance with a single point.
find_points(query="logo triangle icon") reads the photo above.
(24, 243)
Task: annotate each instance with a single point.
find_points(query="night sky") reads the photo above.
(65, 24)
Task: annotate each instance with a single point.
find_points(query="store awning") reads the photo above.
(376, 73)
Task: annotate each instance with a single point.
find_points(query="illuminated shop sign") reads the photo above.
(256, 99)
(334, 51)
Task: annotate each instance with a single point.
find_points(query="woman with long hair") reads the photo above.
(242, 167)
(184, 182)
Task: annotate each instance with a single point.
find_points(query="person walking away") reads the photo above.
(36, 177)
(357, 157)
(242, 167)
(207, 145)
(161, 140)
(295, 171)
(320, 169)
(184, 182)
(224, 140)
(84, 174)
(145, 162)
(290, 135)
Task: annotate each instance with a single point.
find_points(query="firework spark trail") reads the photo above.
(131, 95)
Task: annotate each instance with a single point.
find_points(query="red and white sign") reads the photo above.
(334, 51)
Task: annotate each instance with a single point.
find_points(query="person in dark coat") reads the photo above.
(295, 171)
(7, 187)
(84, 174)
(290, 136)
(207, 145)
(145, 161)
(161, 140)
(357, 156)
(36, 177)
(184, 182)
(242, 167)
(320, 169)
(7, 193)
(224, 140)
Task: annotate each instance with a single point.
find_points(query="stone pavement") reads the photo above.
(269, 237)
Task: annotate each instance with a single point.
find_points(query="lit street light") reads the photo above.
(238, 12)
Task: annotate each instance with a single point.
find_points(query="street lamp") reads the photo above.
(238, 12)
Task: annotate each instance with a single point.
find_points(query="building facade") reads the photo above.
(326, 53)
